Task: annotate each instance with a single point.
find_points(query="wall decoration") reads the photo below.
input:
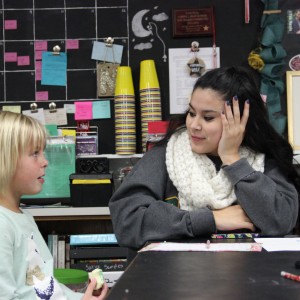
(293, 106)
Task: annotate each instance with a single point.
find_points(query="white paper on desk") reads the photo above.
(279, 244)
(213, 247)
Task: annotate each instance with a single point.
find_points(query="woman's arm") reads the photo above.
(139, 214)
(269, 199)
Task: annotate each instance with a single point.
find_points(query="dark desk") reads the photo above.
(208, 275)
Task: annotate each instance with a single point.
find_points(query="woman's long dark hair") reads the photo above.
(260, 136)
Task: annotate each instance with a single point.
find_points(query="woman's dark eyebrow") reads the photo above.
(205, 111)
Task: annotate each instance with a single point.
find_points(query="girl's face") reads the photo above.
(28, 179)
(203, 121)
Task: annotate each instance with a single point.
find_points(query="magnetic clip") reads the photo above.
(195, 46)
(33, 107)
(56, 50)
(52, 107)
(109, 42)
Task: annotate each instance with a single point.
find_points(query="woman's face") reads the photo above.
(203, 121)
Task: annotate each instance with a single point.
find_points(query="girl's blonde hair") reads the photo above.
(17, 133)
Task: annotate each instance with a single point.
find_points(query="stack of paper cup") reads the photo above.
(150, 99)
(125, 121)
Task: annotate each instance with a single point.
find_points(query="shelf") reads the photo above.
(69, 213)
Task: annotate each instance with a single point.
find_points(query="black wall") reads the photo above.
(90, 20)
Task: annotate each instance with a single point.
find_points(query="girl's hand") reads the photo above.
(88, 295)
(232, 218)
(233, 131)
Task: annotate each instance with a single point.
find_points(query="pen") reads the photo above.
(290, 276)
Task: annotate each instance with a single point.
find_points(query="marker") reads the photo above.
(207, 244)
(235, 235)
(290, 276)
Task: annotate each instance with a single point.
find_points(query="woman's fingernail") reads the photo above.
(235, 98)
(248, 101)
(228, 102)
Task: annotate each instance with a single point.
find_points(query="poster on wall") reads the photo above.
(185, 67)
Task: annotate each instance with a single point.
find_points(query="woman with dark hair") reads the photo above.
(221, 167)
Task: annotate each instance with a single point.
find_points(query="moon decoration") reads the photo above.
(137, 26)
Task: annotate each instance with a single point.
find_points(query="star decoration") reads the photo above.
(197, 67)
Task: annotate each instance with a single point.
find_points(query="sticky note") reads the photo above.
(23, 60)
(54, 69)
(38, 55)
(101, 109)
(10, 57)
(68, 132)
(12, 108)
(38, 74)
(42, 95)
(72, 44)
(41, 45)
(10, 24)
(83, 110)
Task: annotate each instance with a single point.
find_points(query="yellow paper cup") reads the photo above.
(148, 75)
(124, 82)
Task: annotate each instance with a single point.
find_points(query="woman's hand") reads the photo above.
(88, 295)
(233, 131)
(232, 218)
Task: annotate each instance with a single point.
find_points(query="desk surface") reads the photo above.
(208, 275)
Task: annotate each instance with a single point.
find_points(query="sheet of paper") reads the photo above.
(181, 83)
(60, 153)
(39, 114)
(214, 247)
(279, 244)
(108, 54)
(54, 69)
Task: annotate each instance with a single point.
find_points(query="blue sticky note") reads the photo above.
(108, 54)
(54, 69)
(101, 109)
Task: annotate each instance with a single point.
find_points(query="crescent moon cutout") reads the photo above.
(137, 26)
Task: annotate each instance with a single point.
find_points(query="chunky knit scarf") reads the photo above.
(195, 176)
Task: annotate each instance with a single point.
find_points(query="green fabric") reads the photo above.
(273, 54)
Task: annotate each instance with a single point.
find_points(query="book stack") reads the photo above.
(91, 251)
(59, 248)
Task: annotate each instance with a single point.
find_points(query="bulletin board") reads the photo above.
(144, 29)
(73, 25)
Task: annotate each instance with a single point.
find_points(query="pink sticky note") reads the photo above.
(38, 74)
(72, 44)
(43, 95)
(83, 110)
(23, 60)
(38, 55)
(41, 45)
(10, 57)
(38, 65)
(10, 24)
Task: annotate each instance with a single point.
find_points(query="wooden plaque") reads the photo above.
(193, 22)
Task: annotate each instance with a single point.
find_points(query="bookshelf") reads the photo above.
(69, 213)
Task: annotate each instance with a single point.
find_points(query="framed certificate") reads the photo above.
(293, 108)
(193, 22)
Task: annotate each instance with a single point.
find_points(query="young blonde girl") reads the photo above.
(26, 269)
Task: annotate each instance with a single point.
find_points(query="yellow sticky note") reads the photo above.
(12, 108)
(68, 132)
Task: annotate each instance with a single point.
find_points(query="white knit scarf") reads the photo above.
(195, 176)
